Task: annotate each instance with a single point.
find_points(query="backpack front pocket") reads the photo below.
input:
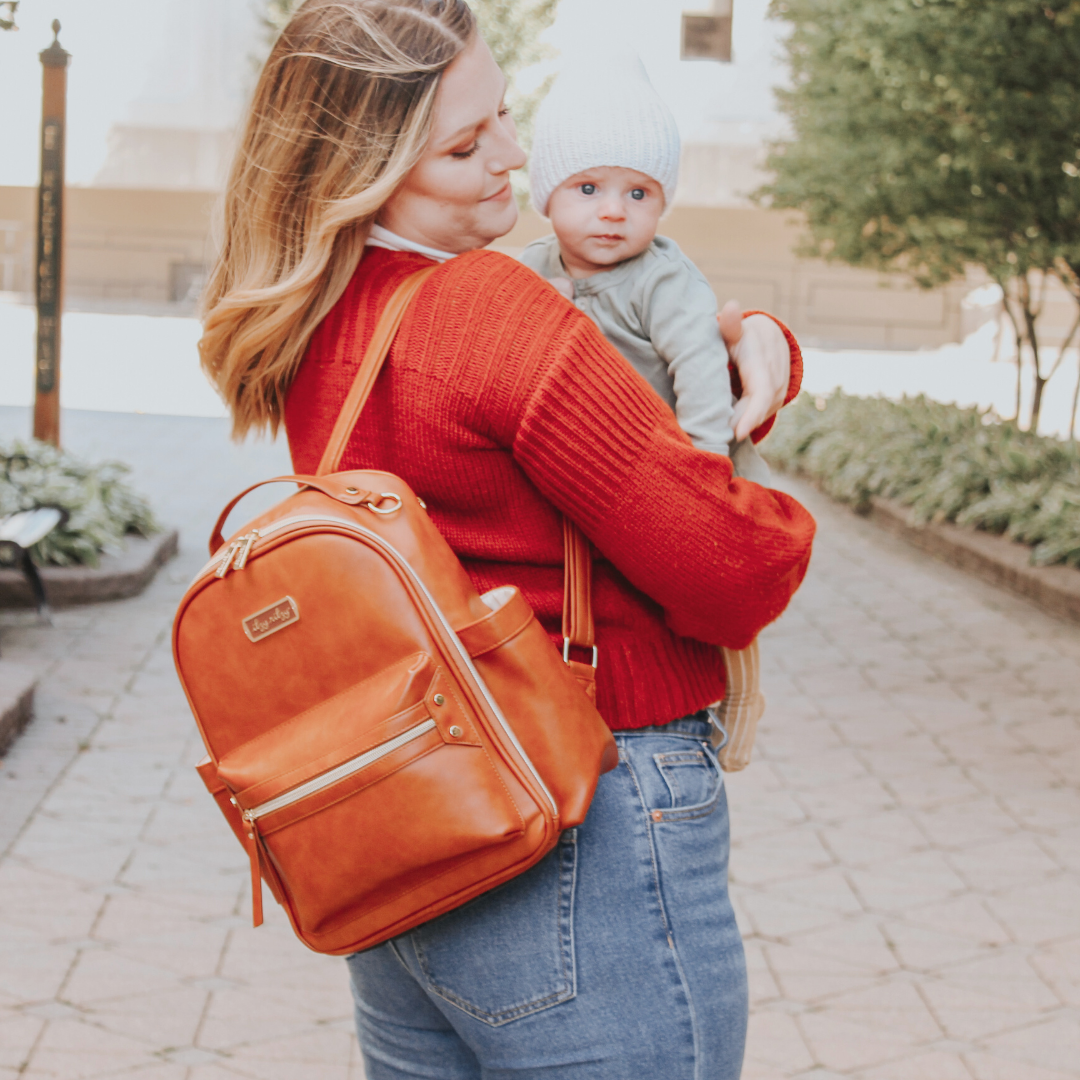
(368, 793)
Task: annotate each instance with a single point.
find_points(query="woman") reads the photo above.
(378, 143)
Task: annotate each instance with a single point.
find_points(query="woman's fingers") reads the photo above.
(730, 320)
(564, 286)
(764, 362)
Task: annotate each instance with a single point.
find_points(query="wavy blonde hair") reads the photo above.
(342, 111)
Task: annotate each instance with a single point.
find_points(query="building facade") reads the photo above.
(141, 237)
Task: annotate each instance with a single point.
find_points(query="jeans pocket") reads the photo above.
(693, 781)
(509, 953)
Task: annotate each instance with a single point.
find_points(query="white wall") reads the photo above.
(712, 102)
(163, 63)
(142, 62)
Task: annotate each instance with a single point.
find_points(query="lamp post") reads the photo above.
(49, 268)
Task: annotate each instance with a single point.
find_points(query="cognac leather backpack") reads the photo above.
(385, 742)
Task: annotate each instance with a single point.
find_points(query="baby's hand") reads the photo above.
(564, 286)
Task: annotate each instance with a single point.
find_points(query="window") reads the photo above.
(708, 37)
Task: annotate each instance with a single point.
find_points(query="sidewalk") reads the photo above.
(907, 843)
(907, 859)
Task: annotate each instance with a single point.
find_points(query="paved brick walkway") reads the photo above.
(908, 842)
(907, 864)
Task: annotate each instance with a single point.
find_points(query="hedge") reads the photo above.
(947, 463)
(102, 507)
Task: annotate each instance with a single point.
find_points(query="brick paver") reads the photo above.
(906, 866)
(907, 841)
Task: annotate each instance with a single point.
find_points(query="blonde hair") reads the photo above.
(341, 113)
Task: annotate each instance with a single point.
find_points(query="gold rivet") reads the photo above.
(352, 491)
(657, 815)
(456, 732)
(439, 699)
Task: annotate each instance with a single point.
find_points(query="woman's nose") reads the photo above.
(507, 156)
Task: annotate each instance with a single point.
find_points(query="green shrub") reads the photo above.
(946, 463)
(102, 508)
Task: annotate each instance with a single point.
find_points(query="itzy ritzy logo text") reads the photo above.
(270, 620)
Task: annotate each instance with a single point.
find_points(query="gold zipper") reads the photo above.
(236, 554)
(339, 772)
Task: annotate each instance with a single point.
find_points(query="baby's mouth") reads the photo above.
(610, 238)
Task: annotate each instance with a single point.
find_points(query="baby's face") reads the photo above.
(603, 216)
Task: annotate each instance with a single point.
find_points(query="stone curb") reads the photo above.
(17, 686)
(1002, 562)
(115, 578)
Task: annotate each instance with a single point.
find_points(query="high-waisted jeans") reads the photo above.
(615, 958)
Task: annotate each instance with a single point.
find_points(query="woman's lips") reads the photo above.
(502, 193)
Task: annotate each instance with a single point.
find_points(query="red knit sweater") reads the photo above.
(502, 406)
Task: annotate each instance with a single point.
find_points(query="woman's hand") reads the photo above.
(760, 352)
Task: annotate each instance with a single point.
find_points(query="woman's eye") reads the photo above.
(588, 189)
(462, 154)
(504, 111)
(637, 193)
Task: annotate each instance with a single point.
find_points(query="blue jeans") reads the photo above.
(615, 958)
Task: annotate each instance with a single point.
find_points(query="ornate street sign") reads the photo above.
(50, 251)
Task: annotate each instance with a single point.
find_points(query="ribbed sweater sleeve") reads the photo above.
(720, 555)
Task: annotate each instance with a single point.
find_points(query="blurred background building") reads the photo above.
(158, 88)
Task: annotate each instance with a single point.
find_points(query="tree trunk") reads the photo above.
(1076, 401)
(1032, 309)
(1070, 278)
(1019, 339)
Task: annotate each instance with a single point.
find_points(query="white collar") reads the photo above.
(384, 238)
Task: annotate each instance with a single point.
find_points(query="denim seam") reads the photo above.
(660, 735)
(652, 847)
(668, 929)
(689, 1006)
(674, 759)
(690, 813)
(564, 900)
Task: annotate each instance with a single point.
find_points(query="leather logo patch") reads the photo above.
(270, 620)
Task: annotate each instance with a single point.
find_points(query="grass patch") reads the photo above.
(946, 463)
(102, 508)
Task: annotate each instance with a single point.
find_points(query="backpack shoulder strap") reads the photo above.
(577, 615)
(577, 618)
(374, 358)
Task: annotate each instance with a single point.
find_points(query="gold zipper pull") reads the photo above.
(252, 844)
(226, 560)
(245, 543)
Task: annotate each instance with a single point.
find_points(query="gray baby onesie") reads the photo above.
(658, 310)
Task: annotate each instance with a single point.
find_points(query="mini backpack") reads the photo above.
(385, 742)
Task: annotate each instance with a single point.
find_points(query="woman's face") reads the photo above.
(457, 197)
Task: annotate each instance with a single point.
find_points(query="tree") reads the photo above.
(512, 29)
(934, 135)
(8, 23)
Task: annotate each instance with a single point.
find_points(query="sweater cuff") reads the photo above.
(794, 383)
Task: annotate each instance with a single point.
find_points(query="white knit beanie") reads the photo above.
(603, 114)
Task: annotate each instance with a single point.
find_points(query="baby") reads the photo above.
(604, 166)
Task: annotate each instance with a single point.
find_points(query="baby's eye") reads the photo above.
(637, 193)
(588, 189)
